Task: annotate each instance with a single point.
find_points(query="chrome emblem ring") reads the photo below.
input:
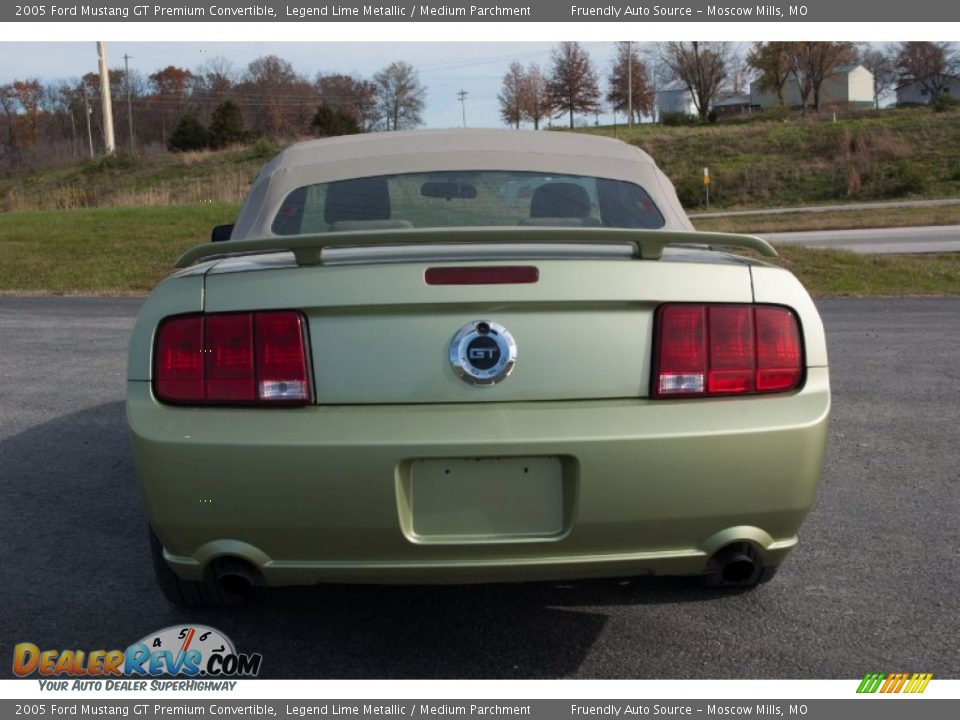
(483, 352)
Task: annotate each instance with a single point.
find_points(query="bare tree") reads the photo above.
(572, 85)
(702, 66)
(740, 73)
(929, 63)
(883, 68)
(511, 95)
(400, 95)
(628, 68)
(536, 102)
(771, 61)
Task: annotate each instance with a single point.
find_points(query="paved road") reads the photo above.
(934, 239)
(836, 207)
(872, 586)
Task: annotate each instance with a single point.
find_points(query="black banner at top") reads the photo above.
(577, 11)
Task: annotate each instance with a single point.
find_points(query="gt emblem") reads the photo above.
(483, 352)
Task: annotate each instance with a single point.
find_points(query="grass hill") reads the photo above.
(876, 155)
(762, 162)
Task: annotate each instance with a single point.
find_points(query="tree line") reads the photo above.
(709, 71)
(212, 105)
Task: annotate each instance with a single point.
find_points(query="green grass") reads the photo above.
(115, 251)
(100, 251)
(841, 273)
(222, 176)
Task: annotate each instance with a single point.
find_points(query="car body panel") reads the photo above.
(321, 495)
(399, 471)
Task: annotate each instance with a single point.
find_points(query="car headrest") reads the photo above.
(360, 199)
(560, 200)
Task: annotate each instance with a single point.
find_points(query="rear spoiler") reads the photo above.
(307, 249)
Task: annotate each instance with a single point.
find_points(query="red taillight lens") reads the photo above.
(178, 359)
(248, 358)
(281, 360)
(229, 351)
(779, 356)
(704, 350)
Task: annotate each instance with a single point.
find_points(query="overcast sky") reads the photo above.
(445, 67)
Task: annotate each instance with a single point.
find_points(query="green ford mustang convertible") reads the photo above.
(470, 356)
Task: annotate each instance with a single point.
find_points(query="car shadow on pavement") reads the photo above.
(78, 576)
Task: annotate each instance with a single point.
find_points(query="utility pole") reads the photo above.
(89, 110)
(629, 85)
(463, 104)
(126, 81)
(106, 106)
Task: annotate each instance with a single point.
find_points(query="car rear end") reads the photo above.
(297, 423)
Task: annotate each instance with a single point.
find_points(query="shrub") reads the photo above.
(189, 135)
(675, 119)
(226, 125)
(329, 121)
(945, 102)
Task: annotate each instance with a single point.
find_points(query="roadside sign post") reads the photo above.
(706, 184)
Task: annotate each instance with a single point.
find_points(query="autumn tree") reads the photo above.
(535, 99)
(629, 68)
(883, 68)
(511, 95)
(813, 63)
(400, 96)
(702, 67)
(284, 99)
(929, 63)
(572, 84)
(771, 62)
(172, 84)
(350, 95)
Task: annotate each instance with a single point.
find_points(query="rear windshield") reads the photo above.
(465, 199)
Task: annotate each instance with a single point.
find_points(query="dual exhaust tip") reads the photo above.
(735, 565)
(236, 578)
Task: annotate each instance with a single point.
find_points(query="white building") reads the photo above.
(675, 98)
(849, 85)
(914, 93)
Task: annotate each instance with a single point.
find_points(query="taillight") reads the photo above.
(240, 358)
(704, 350)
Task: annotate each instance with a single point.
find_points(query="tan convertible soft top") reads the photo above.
(353, 156)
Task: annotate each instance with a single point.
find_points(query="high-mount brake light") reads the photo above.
(232, 358)
(497, 275)
(703, 350)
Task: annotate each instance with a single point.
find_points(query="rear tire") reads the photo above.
(188, 593)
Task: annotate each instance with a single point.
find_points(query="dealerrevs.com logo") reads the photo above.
(191, 651)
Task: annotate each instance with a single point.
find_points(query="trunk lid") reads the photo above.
(379, 334)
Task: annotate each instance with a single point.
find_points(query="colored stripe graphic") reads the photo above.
(894, 683)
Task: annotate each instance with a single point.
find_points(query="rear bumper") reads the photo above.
(326, 494)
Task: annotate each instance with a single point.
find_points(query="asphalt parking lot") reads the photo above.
(872, 587)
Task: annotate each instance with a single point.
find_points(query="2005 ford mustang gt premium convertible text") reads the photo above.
(468, 356)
